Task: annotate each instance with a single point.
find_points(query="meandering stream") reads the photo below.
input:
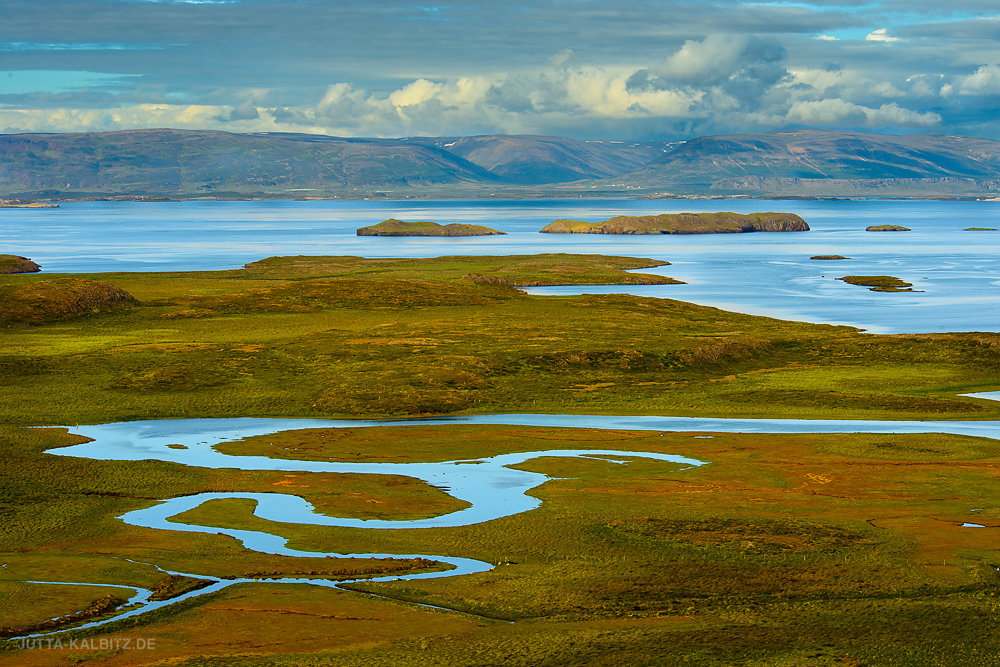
(490, 485)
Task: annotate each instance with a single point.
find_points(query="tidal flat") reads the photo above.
(834, 548)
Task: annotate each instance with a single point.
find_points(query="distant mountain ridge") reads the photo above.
(166, 163)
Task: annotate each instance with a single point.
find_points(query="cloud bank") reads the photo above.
(647, 71)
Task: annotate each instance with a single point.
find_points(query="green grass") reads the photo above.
(783, 548)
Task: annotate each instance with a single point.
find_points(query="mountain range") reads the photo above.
(166, 163)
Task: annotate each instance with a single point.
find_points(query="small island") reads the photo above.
(19, 203)
(17, 264)
(880, 283)
(887, 228)
(394, 227)
(828, 257)
(980, 229)
(683, 223)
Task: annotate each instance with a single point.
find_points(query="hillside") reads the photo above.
(825, 162)
(186, 164)
(180, 162)
(527, 160)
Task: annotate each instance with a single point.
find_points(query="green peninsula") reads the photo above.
(683, 223)
(394, 227)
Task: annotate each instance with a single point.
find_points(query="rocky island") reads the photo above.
(684, 223)
(828, 257)
(394, 227)
(887, 228)
(17, 264)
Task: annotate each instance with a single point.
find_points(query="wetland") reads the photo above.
(328, 459)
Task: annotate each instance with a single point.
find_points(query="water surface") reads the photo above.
(758, 273)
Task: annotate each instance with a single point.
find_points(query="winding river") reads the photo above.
(490, 485)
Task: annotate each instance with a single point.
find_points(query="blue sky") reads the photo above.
(655, 69)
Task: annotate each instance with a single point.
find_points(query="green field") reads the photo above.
(784, 550)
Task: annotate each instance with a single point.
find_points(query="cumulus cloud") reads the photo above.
(718, 84)
(984, 81)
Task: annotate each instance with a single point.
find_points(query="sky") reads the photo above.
(588, 69)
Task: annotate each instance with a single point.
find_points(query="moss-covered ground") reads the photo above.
(786, 550)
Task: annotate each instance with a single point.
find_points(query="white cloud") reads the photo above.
(841, 112)
(826, 38)
(415, 93)
(880, 35)
(984, 81)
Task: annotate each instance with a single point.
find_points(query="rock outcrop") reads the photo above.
(684, 223)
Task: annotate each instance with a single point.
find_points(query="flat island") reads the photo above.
(17, 264)
(887, 228)
(684, 223)
(828, 257)
(394, 227)
(880, 283)
(17, 203)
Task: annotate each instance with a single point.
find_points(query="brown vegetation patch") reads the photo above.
(61, 299)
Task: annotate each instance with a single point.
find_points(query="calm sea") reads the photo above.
(765, 274)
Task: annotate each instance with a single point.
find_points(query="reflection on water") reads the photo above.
(766, 274)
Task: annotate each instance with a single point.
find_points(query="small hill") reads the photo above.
(17, 264)
(394, 227)
(684, 223)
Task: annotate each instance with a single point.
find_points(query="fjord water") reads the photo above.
(761, 273)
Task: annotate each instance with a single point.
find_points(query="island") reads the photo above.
(18, 203)
(880, 283)
(394, 227)
(828, 257)
(980, 229)
(887, 228)
(683, 223)
(17, 264)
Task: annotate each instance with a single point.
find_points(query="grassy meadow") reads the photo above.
(842, 549)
